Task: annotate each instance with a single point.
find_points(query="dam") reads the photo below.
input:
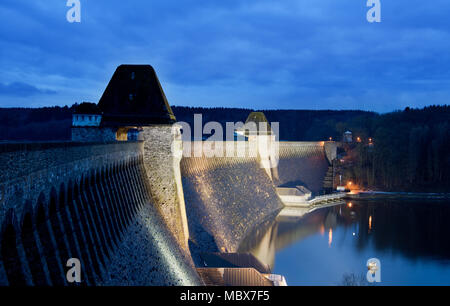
(123, 199)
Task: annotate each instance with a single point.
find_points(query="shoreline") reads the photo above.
(399, 195)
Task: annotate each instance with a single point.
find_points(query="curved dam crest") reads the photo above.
(121, 212)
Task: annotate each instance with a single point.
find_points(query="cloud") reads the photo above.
(19, 89)
(255, 54)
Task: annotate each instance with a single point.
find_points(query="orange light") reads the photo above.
(331, 138)
(370, 223)
(350, 204)
(330, 237)
(350, 183)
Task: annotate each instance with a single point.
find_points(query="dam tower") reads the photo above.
(134, 102)
(262, 141)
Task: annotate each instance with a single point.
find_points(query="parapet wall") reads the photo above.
(90, 201)
(93, 134)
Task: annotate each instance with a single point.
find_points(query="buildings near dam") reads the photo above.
(123, 199)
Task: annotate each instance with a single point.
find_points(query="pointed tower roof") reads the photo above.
(260, 119)
(256, 117)
(134, 97)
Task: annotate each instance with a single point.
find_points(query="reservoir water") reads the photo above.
(331, 246)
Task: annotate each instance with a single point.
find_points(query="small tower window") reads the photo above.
(132, 75)
(131, 97)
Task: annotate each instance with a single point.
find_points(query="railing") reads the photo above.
(326, 198)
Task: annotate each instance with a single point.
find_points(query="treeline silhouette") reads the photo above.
(54, 123)
(410, 148)
(35, 124)
(294, 125)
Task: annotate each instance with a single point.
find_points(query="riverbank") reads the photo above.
(371, 195)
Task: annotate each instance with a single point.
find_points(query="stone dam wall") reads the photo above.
(90, 201)
(227, 197)
(302, 163)
(128, 209)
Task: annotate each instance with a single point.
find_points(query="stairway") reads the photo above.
(328, 180)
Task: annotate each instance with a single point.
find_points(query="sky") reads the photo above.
(286, 54)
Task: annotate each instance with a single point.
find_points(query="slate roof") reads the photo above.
(134, 97)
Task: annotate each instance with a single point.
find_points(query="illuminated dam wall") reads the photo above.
(118, 207)
(90, 201)
(226, 197)
(302, 163)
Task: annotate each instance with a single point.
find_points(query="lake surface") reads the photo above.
(331, 245)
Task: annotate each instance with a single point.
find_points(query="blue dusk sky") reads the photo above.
(287, 54)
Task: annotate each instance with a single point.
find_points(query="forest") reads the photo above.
(294, 125)
(36, 124)
(409, 150)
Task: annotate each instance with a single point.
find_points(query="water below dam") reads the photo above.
(331, 246)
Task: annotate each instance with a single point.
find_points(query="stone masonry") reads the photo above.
(90, 201)
(162, 156)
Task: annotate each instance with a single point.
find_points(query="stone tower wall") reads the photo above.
(162, 156)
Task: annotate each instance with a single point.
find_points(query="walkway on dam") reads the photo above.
(300, 211)
(301, 197)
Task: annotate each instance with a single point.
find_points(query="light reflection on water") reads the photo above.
(411, 239)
